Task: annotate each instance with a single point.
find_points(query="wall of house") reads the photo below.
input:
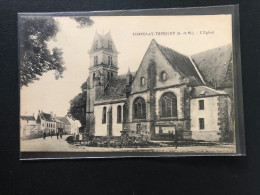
(101, 129)
(210, 114)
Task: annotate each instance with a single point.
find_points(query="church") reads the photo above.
(169, 93)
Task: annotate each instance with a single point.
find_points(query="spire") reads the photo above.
(128, 70)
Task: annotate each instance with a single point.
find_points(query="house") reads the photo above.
(27, 126)
(64, 124)
(169, 92)
(46, 122)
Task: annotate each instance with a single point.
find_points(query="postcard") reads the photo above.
(130, 83)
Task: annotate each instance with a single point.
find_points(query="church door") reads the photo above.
(110, 120)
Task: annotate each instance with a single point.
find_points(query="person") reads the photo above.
(51, 134)
(60, 135)
(44, 135)
(176, 140)
(57, 135)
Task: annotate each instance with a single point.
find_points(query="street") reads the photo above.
(61, 145)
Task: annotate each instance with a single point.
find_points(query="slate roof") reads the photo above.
(182, 63)
(103, 41)
(28, 118)
(215, 66)
(45, 116)
(204, 91)
(115, 89)
(64, 120)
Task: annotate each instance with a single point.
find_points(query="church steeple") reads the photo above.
(103, 58)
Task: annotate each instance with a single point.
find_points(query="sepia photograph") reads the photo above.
(159, 84)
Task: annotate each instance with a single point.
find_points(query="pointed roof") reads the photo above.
(204, 91)
(115, 89)
(181, 63)
(45, 116)
(215, 66)
(64, 120)
(103, 42)
(28, 118)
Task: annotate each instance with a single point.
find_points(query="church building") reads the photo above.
(169, 93)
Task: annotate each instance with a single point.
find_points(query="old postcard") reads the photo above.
(107, 84)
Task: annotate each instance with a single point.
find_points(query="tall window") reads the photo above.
(168, 105)
(104, 115)
(110, 62)
(201, 104)
(139, 108)
(96, 44)
(119, 114)
(109, 44)
(108, 75)
(201, 121)
(95, 60)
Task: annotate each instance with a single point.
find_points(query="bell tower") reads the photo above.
(103, 57)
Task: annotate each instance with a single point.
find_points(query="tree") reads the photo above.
(35, 56)
(77, 110)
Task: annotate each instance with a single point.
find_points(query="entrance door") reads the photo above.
(110, 121)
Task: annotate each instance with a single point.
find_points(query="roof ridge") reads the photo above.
(222, 46)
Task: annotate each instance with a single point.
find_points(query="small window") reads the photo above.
(104, 115)
(201, 104)
(142, 81)
(163, 76)
(201, 121)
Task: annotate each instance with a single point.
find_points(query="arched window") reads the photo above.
(168, 105)
(139, 108)
(95, 60)
(163, 76)
(142, 81)
(119, 114)
(104, 115)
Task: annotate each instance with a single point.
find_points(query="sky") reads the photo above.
(132, 36)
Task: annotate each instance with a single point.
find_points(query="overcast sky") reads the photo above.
(49, 94)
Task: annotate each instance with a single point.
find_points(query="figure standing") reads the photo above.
(176, 140)
(44, 135)
(60, 135)
(57, 135)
